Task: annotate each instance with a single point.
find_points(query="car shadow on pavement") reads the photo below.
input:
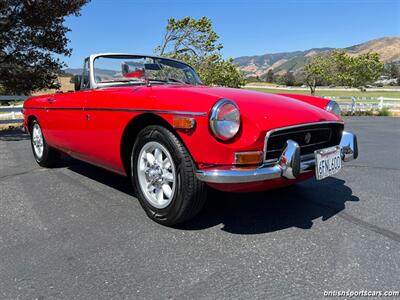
(13, 135)
(250, 213)
(98, 174)
(254, 213)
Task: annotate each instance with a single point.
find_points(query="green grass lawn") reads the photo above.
(328, 93)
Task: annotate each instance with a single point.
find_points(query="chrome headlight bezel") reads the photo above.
(333, 107)
(224, 129)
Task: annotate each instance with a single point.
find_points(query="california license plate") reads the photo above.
(327, 162)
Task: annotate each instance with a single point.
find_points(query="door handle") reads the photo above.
(51, 100)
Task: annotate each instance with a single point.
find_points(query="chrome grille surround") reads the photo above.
(302, 128)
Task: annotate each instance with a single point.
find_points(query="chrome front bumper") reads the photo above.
(289, 165)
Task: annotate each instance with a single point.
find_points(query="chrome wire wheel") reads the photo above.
(156, 174)
(37, 140)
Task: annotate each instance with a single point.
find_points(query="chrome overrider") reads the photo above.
(288, 166)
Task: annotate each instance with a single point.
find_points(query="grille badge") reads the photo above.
(307, 138)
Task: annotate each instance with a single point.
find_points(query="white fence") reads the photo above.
(11, 113)
(354, 104)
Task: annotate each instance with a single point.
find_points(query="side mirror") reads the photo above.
(77, 82)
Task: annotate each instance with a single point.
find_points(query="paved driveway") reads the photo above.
(77, 232)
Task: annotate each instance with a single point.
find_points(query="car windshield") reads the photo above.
(140, 69)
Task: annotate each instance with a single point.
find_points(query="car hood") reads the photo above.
(264, 109)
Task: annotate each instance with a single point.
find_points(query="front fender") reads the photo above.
(313, 100)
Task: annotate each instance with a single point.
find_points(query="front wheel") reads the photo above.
(44, 155)
(163, 176)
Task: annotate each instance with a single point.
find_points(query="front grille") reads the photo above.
(310, 137)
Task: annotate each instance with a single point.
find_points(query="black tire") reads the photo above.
(50, 157)
(190, 193)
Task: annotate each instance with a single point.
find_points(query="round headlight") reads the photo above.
(333, 107)
(225, 119)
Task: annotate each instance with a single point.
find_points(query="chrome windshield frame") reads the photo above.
(93, 57)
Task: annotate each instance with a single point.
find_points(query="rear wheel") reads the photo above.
(163, 174)
(44, 155)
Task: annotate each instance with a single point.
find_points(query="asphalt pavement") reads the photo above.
(77, 232)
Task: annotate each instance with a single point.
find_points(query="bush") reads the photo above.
(358, 113)
(384, 112)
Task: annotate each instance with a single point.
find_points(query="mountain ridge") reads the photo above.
(282, 62)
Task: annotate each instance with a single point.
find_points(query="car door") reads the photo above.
(66, 118)
(104, 125)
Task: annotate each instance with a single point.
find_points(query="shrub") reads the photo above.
(384, 112)
(358, 113)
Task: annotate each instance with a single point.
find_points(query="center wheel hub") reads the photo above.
(154, 174)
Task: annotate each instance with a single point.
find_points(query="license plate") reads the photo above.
(327, 162)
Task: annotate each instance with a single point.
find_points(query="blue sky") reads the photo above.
(245, 27)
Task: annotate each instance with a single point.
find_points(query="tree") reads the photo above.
(279, 79)
(270, 76)
(339, 64)
(253, 79)
(354, 71)
(189, 35)
(196, 43)
(31, 32)
(340, 68)
(289, 79)
(363, 69)
(316, 72)
(392, 70)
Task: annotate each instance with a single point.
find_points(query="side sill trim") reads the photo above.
(155, 111)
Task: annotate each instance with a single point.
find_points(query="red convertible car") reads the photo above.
(151, 118)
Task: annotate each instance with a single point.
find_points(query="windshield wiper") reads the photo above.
(123, 81)
(169, 80)
(177, 80)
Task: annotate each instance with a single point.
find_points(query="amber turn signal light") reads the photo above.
(248, 158)
(183, 122)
